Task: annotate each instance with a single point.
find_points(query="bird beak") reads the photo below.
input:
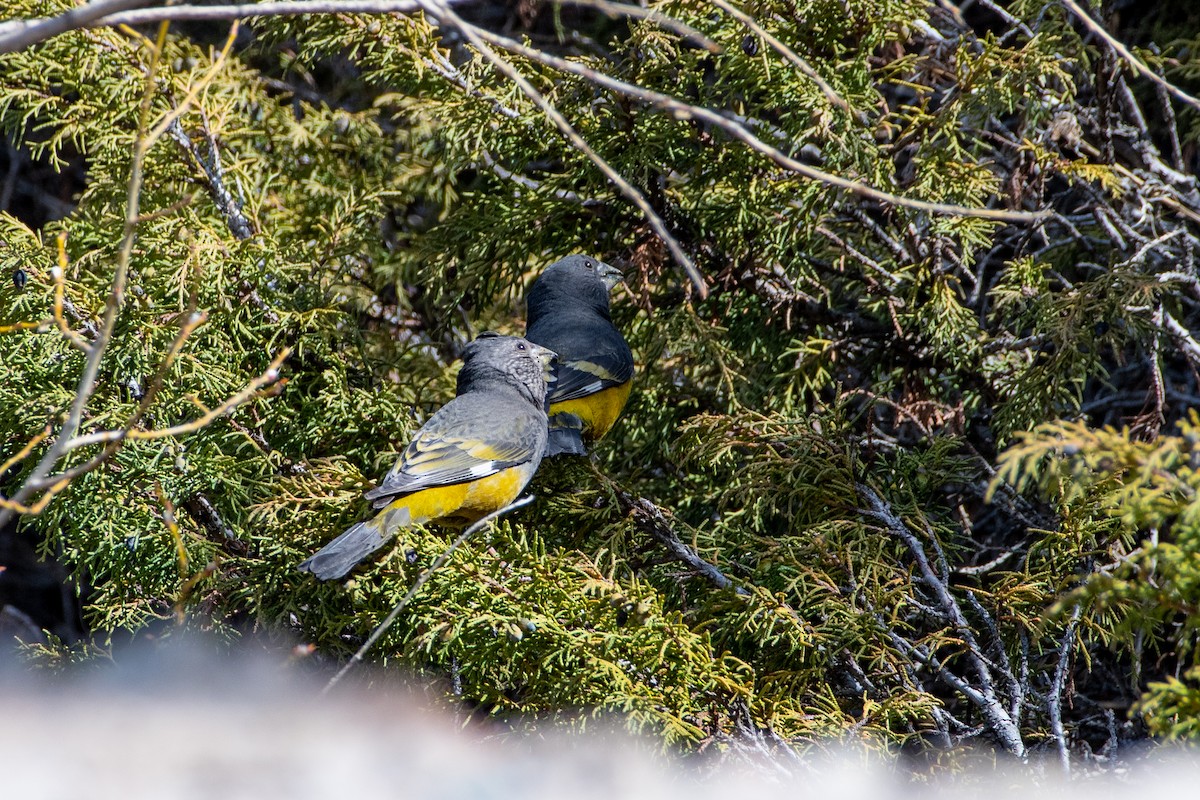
(549, 360)
(610, 275)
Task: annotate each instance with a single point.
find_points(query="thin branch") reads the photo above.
(984, 696)
(21, 33)
(1183, 338)
(199, 86)
(1121, 50)
(651, 519)
(169, 519)
(87, 381)
(18, 34)
(58, 273)
(785, 51)
(892, 281)
(1054, 699)
(442, 12)
(202, 509)
(249, 392)
(682, 110)
(230, 208)
(654, 15)
(422, 579)
(24, 452)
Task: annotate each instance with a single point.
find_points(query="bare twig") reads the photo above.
(21, 33)
(442, 12)
(983, 695)
(230, 207)
(202, 509)
(889, 279)
(87, 381)
(58, 273)
(18, 34)
(1054, 697)
(1121, 50)
(651, 519)
(24, 452)
(421, 580)
(785, 51)
(1182, 337)
(738, 131)
(251, 390)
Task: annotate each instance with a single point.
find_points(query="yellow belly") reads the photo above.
(458, 503)
(598, 411)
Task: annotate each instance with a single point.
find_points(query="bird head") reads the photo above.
(511, 360)
(581, 279)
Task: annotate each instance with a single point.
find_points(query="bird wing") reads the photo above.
(581, 377)
(467, 439)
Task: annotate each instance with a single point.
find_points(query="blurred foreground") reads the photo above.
(178, 723)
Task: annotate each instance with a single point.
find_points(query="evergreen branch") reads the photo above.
(67, 441)
(95, 351)
(1129, 58)
(21, 33)
(421, 580)
(787, 52)
(442, 12)
(682, 110)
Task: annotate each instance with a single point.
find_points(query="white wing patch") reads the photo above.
(483, 469)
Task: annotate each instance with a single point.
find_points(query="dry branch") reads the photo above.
(442, 12)
(983, 692)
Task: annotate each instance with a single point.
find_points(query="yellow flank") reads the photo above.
(598, 411)
(462, 503)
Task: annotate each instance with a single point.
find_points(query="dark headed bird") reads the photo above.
(473, 456)
(568, 313)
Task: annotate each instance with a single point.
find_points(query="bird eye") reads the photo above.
(520, 346)
(589, 265)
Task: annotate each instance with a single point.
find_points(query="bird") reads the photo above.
(567, 311)
(472, 457)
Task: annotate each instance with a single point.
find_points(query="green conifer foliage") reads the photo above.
(821, 427)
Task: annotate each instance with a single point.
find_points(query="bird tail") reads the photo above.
(565, 436)
(345, 552)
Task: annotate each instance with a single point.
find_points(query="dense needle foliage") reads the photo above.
(825, 426)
